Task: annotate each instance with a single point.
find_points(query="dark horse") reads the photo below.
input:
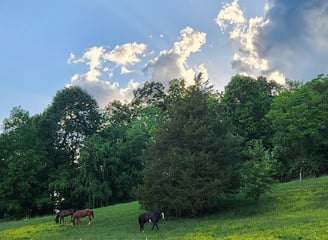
(150, 217)
(82, 213)
(61, 214)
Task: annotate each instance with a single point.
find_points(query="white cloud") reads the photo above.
(172, 64)
(124, 70)
(168, 65)
(105, 91)
(126, 55)
(232, 14)
(289, 40)
(101, 67)
(93, 58)
(247, 60)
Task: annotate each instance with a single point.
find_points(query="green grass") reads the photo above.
(295, 210)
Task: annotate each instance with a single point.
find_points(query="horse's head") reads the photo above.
(162, 214)
(72, 221)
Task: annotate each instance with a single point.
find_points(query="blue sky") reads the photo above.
(110, 48)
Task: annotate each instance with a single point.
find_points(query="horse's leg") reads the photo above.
(141, 227)
(89, 220)
(155, 224)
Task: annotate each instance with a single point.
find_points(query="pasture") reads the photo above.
(294, 210)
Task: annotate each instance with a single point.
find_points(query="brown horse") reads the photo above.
(61, 214)
(82, 213)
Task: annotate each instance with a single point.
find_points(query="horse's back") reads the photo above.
(144, 216)
(84, 212)
(155, 217)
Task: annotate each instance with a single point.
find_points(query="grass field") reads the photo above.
(295, 210)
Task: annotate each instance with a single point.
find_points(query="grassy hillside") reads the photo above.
(295, 210)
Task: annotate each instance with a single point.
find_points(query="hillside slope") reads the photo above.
(295, 210)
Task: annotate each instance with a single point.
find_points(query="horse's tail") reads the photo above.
(92, 214)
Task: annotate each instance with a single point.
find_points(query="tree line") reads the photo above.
(178, 150)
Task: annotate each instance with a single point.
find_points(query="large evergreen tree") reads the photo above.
(192, 157)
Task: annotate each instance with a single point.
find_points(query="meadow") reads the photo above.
(295, 210)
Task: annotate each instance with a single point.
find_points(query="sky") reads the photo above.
(110, 48)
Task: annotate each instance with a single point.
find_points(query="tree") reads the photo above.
(246, 101)
(23, 178)
(299, 117)
(72, 116)
(152, 93)
(129, 129)
(91, 184)
(192, 157)
(257, 172)
(18, 117)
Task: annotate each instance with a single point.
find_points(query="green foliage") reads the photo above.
(151, 94)
(191, 160)
(23, 184)
(246, 101)
(18, 118)
(294, 210)
(299, 117)
(258, 171)
(92, 187)
(180, 140)
(72, 116)
(110, 161)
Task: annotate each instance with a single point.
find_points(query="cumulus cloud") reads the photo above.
(93, 58)
(231, 14)
(168, 65)
(101, 66)
(288, 39)
(172, 64)
(105, 91)
(243, 35)
(126, 55)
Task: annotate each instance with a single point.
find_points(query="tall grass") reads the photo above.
(295, 210)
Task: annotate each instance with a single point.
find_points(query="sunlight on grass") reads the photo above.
(293, 211)
(27, 232)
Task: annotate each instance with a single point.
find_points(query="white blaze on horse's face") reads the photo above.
(162, 215)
